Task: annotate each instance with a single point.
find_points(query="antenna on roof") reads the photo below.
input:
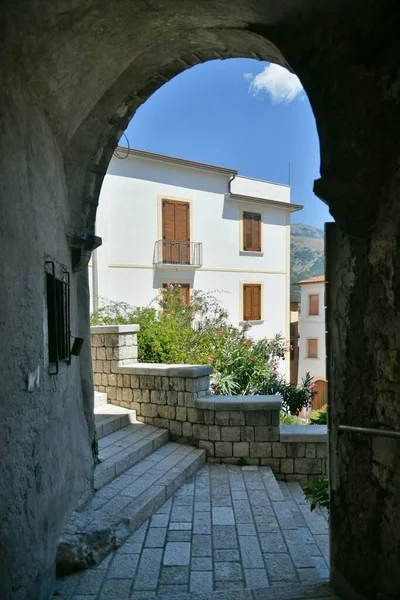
(289, 174)
(121, 157)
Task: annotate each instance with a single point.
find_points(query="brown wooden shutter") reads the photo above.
(312, 348)
(184, 290)
(252, 302)
(247, 297)
(314, 304)
(251, 231)
(176, 231)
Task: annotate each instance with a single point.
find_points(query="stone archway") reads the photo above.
(72, 77)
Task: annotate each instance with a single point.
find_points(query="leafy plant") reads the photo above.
(288, 419)
(318, 493)
(198, 332)
(319, 417)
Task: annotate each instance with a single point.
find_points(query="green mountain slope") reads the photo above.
(306, 255)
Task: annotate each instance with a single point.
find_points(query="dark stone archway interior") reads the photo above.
(72, 76)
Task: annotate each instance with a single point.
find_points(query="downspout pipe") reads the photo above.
(230, 183)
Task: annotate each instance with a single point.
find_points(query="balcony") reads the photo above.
(178, 254)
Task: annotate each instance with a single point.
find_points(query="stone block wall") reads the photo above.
(112, 346)
(232, 429)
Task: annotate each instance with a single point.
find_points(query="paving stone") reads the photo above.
(250, 552)
(201, 563)
(226, 555)
(295, 591)
(256, 578)
(321, 566)
(201, 581)
(90, 582)
(242, 511)
(201, 545)
(172, 591)
(322, 541)
(315, 520)
(224, 537)
(222, 501)
(159, 520)
(177, 553)
(174, 575)
(228, 571)
(181, 513)
(222, 515)
(283, 511)
(228, 585)
(202, 522)
(155, 537)
(115, 589)
(280, 567)
(180, 526)
(298, 550)
(179, 536)
(272, 542)
(246, 529)
(148, 569)
(266, 523)
(139, 535)
(142, 595)
(123, 566)
(202, 507)
(165, 509)
(128, 548)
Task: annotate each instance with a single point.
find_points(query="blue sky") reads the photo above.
(238, 113)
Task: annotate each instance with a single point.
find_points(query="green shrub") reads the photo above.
(288, 419)
(319, 417)
(241, 364)
(318, 493)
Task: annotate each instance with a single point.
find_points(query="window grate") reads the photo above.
(58, 317)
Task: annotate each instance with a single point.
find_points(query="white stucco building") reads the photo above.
(312, 353)
(167, 220)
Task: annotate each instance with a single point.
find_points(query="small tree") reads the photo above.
(241, 364)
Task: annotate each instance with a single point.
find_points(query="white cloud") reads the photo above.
(276, 81)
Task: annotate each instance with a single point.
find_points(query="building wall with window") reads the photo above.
(166, 220)
(312, 329)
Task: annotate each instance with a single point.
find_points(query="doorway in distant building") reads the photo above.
(176, 232)
(320, 398)
(184, 291)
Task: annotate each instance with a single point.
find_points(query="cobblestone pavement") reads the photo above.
(230, 528)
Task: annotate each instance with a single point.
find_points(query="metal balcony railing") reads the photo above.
(178, 254)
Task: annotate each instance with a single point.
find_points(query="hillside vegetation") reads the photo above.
(306, 255)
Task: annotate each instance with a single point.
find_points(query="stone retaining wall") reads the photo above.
(112, 346)
(232, 429)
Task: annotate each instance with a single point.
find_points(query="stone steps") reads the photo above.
(110, 418)
(124, 448)
(289, 591)
(138, 472)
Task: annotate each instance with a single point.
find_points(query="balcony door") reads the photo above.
(176, 232)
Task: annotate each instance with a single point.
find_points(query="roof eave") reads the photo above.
(275, 203)
(177, 161)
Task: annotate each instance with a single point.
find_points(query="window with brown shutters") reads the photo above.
(176, 232)
(184, 291)
(312, 348)
(314, 304)
(252, 302)
(251, 231)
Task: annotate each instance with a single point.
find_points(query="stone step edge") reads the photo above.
(100, 398)
(114, 423)
(105, 472)
(92, 541)
(286, 591)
